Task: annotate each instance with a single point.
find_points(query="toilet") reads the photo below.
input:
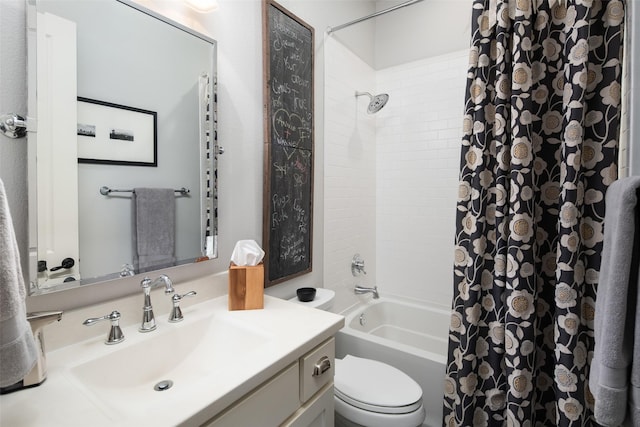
(368, 392)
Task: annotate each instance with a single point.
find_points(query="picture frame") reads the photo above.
(287, 220)
(116, 134)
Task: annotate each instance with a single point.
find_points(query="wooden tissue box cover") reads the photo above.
(246, 287)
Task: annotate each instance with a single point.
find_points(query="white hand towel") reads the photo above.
(18, 352)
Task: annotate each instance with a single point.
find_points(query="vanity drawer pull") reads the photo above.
(321, 366)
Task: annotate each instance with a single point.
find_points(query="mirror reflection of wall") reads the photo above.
(129, 58)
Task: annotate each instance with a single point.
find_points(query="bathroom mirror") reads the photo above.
(122, 98)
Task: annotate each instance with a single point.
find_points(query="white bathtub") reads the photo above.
(410, 335)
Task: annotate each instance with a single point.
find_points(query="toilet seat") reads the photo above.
(375, 386)
(350, 416)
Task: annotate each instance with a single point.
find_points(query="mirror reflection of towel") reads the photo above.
(154, 217)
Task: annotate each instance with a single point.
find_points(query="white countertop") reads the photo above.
(273, 338)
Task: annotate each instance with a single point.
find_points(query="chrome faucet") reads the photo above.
(359, 290)
(148, 319)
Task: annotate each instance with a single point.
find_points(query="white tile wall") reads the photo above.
(418, 142)
(349, 171)
(391, 179)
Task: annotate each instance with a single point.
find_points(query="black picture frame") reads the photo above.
(115, 134)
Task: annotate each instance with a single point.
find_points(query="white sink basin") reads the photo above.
(180, 355)
(184, 353)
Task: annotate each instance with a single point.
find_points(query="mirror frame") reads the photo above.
(210, 201)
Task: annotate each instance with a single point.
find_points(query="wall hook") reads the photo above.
(13, 125)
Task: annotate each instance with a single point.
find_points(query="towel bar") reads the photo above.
(105, 191)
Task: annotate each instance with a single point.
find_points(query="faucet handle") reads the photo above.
(115, 333)
(357, 265)
(176, 312)
(127, 270)
(145, 283)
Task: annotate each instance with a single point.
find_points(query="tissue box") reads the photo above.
(246, 287)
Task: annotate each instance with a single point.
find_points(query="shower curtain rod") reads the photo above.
(373, 15)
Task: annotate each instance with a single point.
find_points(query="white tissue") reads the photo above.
(247, 252)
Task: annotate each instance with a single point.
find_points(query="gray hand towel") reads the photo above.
(18, 352)
(616, 358)
(154, 213)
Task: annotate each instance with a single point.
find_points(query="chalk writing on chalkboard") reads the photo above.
(288, 134)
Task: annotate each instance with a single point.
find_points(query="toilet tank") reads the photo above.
(323, 300)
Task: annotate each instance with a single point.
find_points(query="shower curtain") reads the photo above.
(541, 124)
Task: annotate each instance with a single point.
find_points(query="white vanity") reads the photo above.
(268, 367)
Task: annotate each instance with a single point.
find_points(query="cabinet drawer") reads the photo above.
(316, 369)
(268, 405)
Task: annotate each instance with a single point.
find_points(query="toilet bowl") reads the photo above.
(368, 392)
(373, 394)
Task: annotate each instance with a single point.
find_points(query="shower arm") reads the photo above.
(364, 93)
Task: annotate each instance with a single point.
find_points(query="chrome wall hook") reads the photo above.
(13, 125)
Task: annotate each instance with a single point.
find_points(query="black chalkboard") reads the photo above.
(288, 144)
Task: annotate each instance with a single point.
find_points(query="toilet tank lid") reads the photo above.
(324, 298)
(375, 383)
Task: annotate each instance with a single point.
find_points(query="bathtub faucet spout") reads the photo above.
(359, 290)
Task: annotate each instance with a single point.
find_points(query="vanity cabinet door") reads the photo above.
(318, 412)
(299, 396)
(268, 406)
(317, 368)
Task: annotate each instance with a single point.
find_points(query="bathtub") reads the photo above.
(410, 335)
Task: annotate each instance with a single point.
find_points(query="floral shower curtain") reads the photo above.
(539, 151)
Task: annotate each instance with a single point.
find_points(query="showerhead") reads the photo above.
(376, 103)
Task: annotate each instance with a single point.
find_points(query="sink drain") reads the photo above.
(163, 385)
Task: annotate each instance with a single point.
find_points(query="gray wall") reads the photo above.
(13, 99)
(422, 30)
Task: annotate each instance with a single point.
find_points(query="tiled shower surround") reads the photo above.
(391, 178)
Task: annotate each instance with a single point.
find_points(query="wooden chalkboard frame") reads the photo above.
(273, 241)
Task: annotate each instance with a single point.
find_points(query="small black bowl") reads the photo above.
(306, 294)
